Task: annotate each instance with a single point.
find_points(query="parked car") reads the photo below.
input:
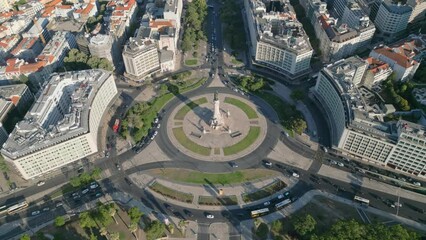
(35, 213)
(233, 164)
(93, 185)
(128, 181)
(281, 196)
(295, 174)
(340, 164)
(85, 191)
(41, 183)
(46, 209)
(59, 204)
(210, 216)
(267, 163)
(267, 203)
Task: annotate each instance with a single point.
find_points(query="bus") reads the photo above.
(259, 212)
(17, 207)
(3, 209)
(282, 204)
(361, 200)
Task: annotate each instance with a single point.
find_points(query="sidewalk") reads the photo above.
(247, 225)
(143, 180)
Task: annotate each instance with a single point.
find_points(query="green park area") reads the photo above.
(196, 177)
(248, 140)
(188, 107)
(264, 192)
(191, 62)
(249, 111)
(324, 219)
(140, 117)
(189, 144)
(171, 193)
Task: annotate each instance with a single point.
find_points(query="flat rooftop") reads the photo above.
(61, 112)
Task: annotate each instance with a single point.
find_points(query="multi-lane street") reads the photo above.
(116, 182)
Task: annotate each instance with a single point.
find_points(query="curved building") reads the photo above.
(62, 125)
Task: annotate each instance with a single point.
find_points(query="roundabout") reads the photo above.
(248, 133)
(216, 127)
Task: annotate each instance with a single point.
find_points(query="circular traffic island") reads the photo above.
(216, 127)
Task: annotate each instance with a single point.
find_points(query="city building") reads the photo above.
(101, 46)
(83, 12)
(278, 41)
(140, 55)
(14, 100)
(377, 72)
(419, 10)
(120, 13)
(58, 47)
(339, 38)
(82, 41)
(32, 9)
(173, 11)
(14, 25)
(404, 56)
(355, 117)
(39, 30)
(331, 92)
(28, 48)
(6, 46)
(62, 125)
(5, 5)
(392, 18)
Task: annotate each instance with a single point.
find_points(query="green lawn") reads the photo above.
(248, 140)
(264, 192)
(189, 144)
(189, 106)
(249, 111)
(218, 201)
(191, 62)
(196, 177)
(171, 193)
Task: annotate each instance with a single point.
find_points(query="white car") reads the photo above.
(340, 164)
(295, 175)
(266, 203)
(398, 204)
(333, 162)
(156, 120)
(210, 216)
(59, 204)
(417, 184)
(35, 213)
(93, 185)
(281, 196)
(85, 191)
(46, 209)
(41, 183)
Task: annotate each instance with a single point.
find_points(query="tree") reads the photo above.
(25, 237)
(103, 232)
(171, 228)
(114, 236)
(133, 227)
(86, 220)
(297, 95)
(75, 182)
(93, 237)
(304, 225)
(59, 221)
(277, 226)
(112, 211)
(3, 164)
(163, 89)
(298, 125)
(155, 230)
(403, 104)
(96, 173)
(135, 214)
(85, 178)
(262, 231)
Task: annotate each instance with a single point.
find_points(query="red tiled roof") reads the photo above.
(78, 10)
(48, 11)
(400, 59)
(160, 24)
(88, 8)
(375, 65)
(52, 3)
(64, 6)
(25, 43)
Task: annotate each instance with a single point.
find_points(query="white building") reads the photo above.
(278, 41)
(404, 56)
(58, 47)
(392, 18)
(5, 5)
(101, 46)
(140, 55)
(377, 72)
(173, 11)
(355, 118)
(62, 126)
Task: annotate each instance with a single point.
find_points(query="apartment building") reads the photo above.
(28, 48)
(39, 30)
(339, 38)
(392, 18)
(376, 73)
(62, 126)
(5, 5)
(278, 41)
(140, 55)
(59, 46)
(101, 46)
(355, 117)
(173, 11)
(403, 56)
(7, 44)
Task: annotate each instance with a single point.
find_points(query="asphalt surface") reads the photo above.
(308, 179)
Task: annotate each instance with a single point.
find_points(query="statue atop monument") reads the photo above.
(217, 119)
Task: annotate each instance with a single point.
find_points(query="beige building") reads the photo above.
(140, 55)
(62, 126)
(5, 5)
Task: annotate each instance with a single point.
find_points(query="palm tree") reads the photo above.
(182, 225)
(112, 211)
(114, 236)
(103, 232)
(133, 229)
(171, 228)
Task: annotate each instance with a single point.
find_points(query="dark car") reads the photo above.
(188, 213)
(233, 164)
(128, 181)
